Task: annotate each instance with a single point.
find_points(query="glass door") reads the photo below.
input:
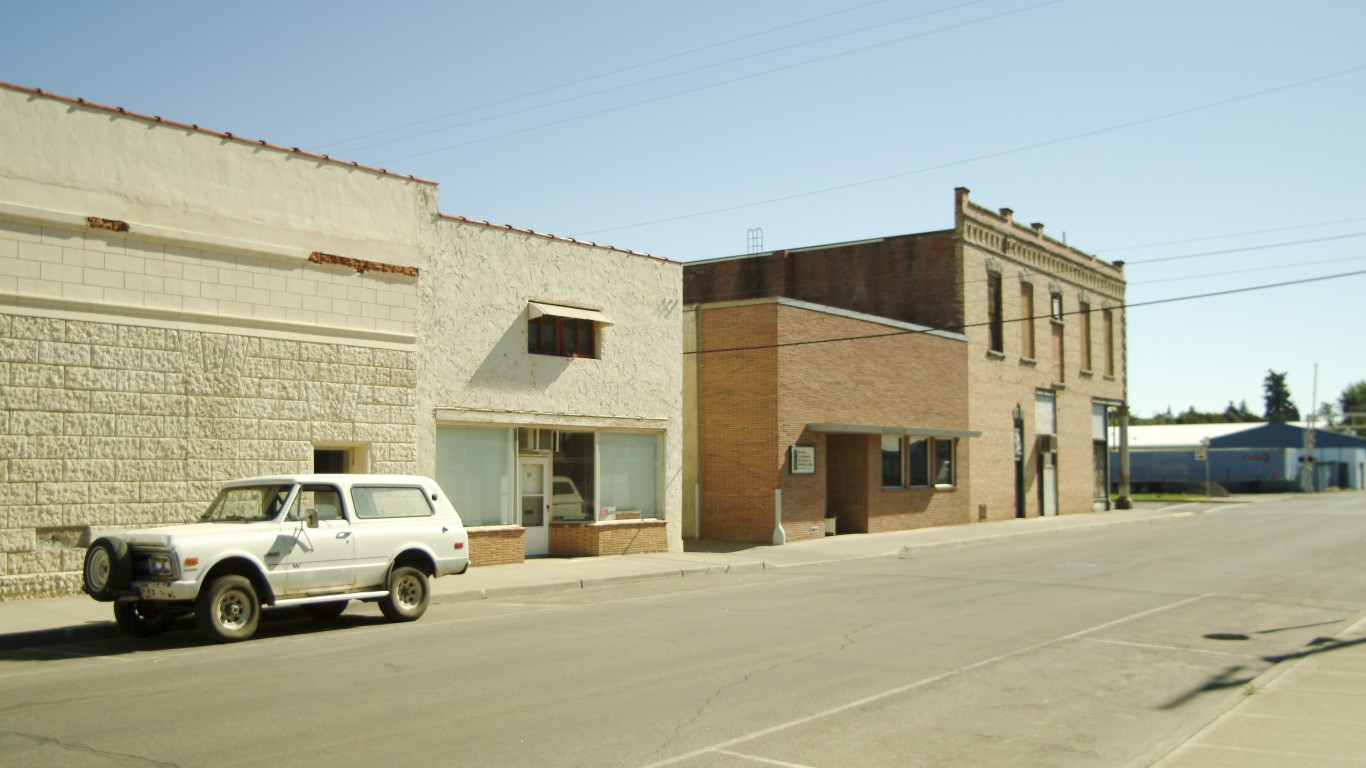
(533, 480)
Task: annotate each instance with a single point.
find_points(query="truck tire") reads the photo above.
(227, 610)
(408, 595)
(143, 619)
(108, 568)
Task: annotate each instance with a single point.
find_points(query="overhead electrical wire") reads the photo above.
(709, 86)
(894, 273)
(1226, 235)
(628, 68)
(1124, 307)
(648, 80)
(989, 155)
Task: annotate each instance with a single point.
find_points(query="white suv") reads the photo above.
(316, 541)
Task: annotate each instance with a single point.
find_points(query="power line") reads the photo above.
(1230, 234)
(1243, 271)
(620, 70)
(963, 328)
(1249, 248)
(895, 272)
(633, 84)
(987, 156)
(709, 86)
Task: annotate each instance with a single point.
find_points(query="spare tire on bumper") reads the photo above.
(108, 568)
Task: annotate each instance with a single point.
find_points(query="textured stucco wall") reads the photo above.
(94, 162)
(474, 366)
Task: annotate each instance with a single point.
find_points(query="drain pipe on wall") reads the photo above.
(779, 537)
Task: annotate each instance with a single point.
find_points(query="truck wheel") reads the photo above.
(228, 610)
(408, 595)
(326, 611)
(143, 619)
(108, 568)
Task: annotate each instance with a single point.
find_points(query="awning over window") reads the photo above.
(537, 309)
(873, 429)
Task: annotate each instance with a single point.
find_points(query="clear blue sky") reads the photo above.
(1139, 131)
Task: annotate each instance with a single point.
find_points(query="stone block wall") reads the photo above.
(112, 425)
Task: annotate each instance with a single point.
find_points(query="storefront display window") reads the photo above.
(474, 468)
(573, 482)
(630, 472)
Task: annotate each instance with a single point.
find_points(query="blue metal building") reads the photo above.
(1242, 458)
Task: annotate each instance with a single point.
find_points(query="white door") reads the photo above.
(533, 485)
(1049, 469)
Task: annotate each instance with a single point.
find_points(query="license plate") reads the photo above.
(155, 592)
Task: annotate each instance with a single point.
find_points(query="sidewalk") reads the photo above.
(1307, 710)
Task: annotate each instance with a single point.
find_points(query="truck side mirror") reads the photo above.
(311, 517)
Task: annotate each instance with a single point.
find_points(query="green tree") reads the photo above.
(1279, 406)
(1353, 400)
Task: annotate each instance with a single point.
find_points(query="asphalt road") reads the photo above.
(1103, 649)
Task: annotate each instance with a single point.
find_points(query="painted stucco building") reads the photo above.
(180, 306)
(925, 379)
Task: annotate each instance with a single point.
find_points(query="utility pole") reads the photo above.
(1309, 465)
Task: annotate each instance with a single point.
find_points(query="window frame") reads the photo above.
(900, 463)
(996, 311)
(1087, 355)
(928, 461)
(1028, 340)
(566, 336)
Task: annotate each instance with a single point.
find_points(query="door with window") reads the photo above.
(533, 483)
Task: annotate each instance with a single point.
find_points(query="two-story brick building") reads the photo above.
(923, 379)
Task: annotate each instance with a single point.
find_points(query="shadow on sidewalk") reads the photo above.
(1240, 675)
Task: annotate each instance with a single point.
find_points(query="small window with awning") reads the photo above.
(564, 331)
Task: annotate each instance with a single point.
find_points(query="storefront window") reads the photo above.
(630, 472)
(572, 484)
(943, 462)
(474, 468)
(919, 451)
(891, 461)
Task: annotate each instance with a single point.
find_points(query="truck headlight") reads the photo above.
(159, 565)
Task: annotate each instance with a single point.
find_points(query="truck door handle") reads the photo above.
(343, 534)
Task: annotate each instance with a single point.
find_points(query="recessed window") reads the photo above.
(943, 462)
(918, 462)
(995, 312)
(1055, 306)
(1087, 361)
(563, 336)
(918, 456)
(891, 462)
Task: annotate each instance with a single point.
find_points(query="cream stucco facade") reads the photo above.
(180, 306)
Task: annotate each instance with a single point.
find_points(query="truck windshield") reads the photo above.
(251, 504)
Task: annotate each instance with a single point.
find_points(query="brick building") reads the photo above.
(940, 377)
(179, 307)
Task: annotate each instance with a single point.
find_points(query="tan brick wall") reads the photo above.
(738, 461)
(615, 537)
(496, 545)
(752, 415)
(1000, 382)
(129, 426)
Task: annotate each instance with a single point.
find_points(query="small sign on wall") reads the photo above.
(803, 460)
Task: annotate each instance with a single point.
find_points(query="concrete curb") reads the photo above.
(103, 630)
